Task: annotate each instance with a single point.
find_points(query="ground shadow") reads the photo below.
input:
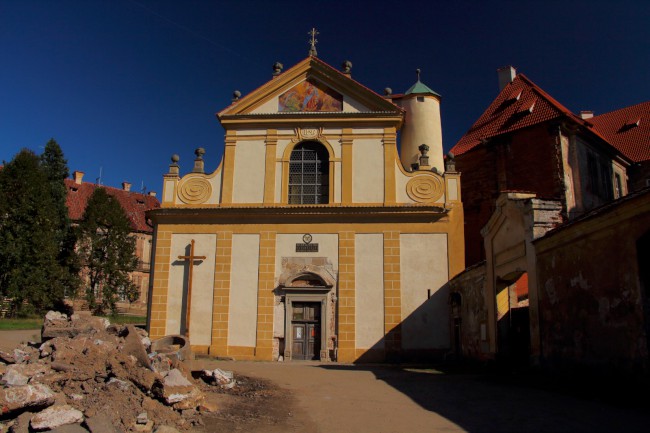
(486, 399)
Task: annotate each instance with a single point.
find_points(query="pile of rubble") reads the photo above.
(89, 375)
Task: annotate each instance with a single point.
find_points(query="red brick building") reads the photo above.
(527, 141)
(628, 129)
(135, 205)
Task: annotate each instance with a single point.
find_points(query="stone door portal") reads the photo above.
(306, 330)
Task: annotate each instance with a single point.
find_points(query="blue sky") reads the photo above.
(124, 84)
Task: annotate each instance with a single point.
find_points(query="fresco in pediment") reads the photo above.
(310, 96)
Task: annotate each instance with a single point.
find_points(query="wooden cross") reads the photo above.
(312, 50)
(191, 258)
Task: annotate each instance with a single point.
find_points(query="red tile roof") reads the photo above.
(134, 203)
(519, 105)
(628, 129)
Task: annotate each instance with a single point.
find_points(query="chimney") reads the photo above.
(78, 175)
(126, 186)
(506, 75)
(586, 114)
(151, 193)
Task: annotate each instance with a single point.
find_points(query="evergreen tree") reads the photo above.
(107, 252)
(56, 168)
(29, 243)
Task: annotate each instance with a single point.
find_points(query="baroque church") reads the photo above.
(315, 238)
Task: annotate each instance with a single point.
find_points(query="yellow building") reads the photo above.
(313, 239)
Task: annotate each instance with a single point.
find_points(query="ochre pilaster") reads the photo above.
(228, 167)
(269, 173)
(221, 294)
(346, 166)
(392, 292)
(158, 318)
(346, 298)
(265, 297)
(390, 158)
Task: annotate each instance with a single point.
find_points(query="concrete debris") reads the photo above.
(20, 398)
(176, 347)
(17, 356)
(220, 377)
(111, 378)
(56, 416)
(142, 418)
(144, 428)
(12, 377)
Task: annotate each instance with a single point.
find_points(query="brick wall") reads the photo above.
(526, 160)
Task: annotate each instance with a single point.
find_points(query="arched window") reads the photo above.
(309, 174)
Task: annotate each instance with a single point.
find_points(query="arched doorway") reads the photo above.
(307, 309)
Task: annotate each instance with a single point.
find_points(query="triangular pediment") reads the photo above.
(311, 87)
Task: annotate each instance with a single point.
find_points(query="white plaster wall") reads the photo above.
(367, 171)
(280, 148)
(400, 185)
(423, 265)
(285, 246)
(242, 317)
(452, 189)
(248, 183)
(369, 291)
(278, 182)
(215, 183)
(202, 286)
(169, 191)
(337, 182)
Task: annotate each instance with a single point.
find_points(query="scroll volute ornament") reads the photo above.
(425, 189)
(195, 190)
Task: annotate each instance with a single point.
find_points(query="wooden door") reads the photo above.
(305, 331)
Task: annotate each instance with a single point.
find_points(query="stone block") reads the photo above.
(14, 378)
(25, 397)
(56, 416)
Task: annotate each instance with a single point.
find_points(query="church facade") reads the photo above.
(314, 238)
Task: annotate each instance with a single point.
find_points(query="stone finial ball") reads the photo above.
(175, 158)
(277, 66)
(347, 66)
(236, 94)
(388, 91)
(199, 152)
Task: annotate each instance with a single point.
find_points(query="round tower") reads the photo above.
(421, 126)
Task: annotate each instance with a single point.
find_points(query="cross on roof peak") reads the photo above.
(312, 50)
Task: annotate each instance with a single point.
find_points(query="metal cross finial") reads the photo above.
(312, 42)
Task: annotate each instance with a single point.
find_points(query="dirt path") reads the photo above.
(313, 397)
(10, 339)
(343, 398)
